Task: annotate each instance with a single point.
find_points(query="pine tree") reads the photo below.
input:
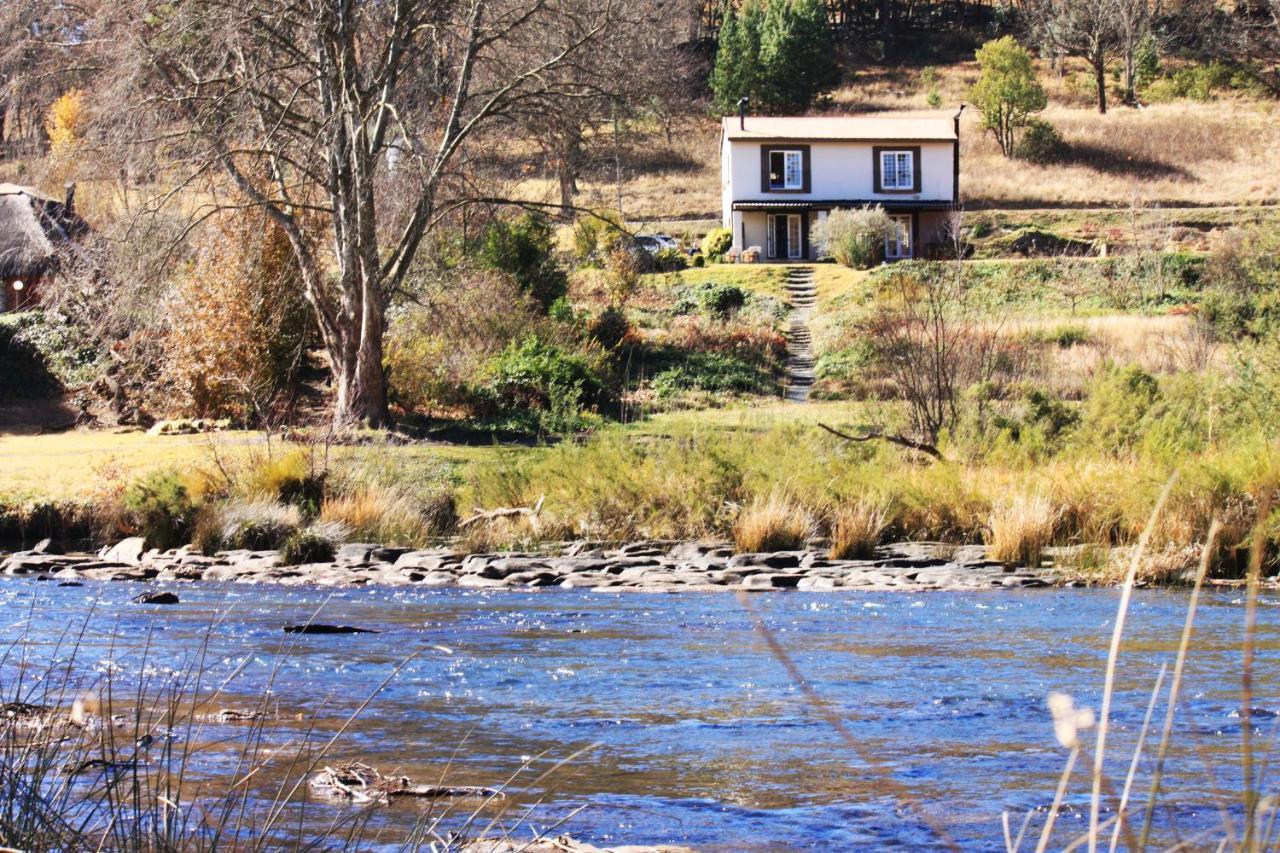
(737, 69)
(780, 55)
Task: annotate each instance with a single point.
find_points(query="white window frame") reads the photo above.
(792, 169)
(770, 241)
(897, 243)
(898, 159)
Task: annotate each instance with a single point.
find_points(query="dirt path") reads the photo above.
(799, 341)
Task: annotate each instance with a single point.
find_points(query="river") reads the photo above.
(702, 736)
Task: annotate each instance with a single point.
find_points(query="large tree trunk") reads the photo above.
(1100, 78)
(359, 379)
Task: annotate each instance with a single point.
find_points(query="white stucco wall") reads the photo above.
(839, 170)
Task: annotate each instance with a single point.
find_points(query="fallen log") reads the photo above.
(489, 515)
(892, 438)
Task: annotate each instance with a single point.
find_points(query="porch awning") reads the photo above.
(887, 204)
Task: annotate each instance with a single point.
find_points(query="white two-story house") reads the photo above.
(782, 175)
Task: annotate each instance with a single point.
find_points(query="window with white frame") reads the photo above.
(786, 170)
(897, 170)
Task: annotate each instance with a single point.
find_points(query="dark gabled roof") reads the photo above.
(32, 226)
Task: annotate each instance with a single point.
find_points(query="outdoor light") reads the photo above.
(17, 285)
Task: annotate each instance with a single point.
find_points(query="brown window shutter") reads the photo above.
(764, 168)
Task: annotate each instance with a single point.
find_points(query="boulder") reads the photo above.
(156, 598)
(47, 546)
(126, 551)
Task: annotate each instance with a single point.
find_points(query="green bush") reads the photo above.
(1118, 401)
(716, 243)
(41, 356)
(670, 260)
(712, 372)
(534, 383)
(525, 250)
(307, 546)
(854, 237)
(1041, 142)
(160, 509)
(698, 261)
(595, 235)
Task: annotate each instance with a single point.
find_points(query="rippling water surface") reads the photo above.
(703, 738)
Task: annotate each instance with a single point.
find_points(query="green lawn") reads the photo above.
(76, 464)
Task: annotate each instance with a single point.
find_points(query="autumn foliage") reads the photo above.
(237, 322)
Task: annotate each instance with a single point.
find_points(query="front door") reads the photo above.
(897, 243)
(785, 236)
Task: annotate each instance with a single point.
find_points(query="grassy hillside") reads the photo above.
(1183, 153)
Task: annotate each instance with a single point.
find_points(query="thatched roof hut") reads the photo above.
(32, 226)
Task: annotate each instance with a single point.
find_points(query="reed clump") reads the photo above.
(1020, 527)
(773, 523)
(857, 528)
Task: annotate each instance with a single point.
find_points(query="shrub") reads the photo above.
(257, 525)
(722, 299)
(610, 328)
(437, 350)
(933, 99)
(1020, 528)
(308, 546)
(856, 529)
(525, 250)
(670, 260)
(775, 523)
(1041, 143)
(854, 237)
(43, 355)
(238, 322)
(595, 235)
(717, 373)
(698, 261)
(716, 243)
(1118, 400)
(159, 509)
(538, 383)
(624, 265)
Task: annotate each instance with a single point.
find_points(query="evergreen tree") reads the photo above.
(798, 55)
(737, 69)
(779, 55)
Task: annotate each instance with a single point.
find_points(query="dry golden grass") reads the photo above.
(775, 523)
(376, 514)
(1160, 344)
(856, 529)
(1020, 527)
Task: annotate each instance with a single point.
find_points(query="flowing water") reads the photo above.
(703, 738)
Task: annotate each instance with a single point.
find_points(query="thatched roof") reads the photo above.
(32, 225)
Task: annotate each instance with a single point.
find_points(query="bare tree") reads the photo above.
(357, 127)
(933, 344)
(1090, 29)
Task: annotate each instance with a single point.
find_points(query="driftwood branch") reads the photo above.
(892, 438)
(489, 515)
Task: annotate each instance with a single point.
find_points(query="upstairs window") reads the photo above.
(897, 171)
(786, 169)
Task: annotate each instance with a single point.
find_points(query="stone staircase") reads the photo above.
(799, 283)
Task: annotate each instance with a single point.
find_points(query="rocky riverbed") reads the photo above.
(656, 566)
